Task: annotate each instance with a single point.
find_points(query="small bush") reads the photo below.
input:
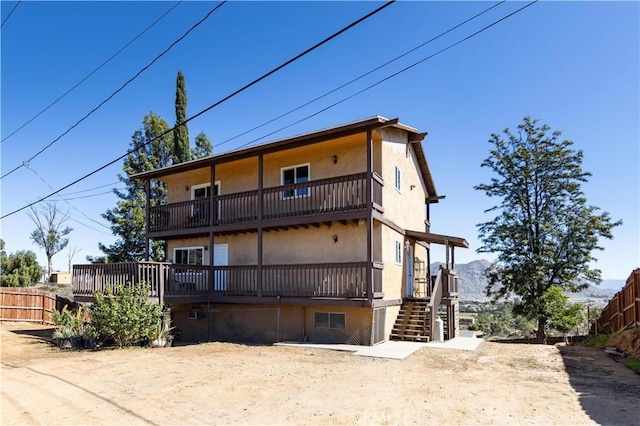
(633, 364)
(599, 341)
(127, 316)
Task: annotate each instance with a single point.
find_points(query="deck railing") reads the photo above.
(333, 280)
(331, 195)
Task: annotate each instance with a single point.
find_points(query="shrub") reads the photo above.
(126, 316)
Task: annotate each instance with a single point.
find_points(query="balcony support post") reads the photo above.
(147, 189)
(260, 216)
(212, 216)
(369, 204)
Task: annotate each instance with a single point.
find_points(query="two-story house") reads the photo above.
(321, 237)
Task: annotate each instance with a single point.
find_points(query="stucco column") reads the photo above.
(369, 203)
(212, 218)
(260, 214)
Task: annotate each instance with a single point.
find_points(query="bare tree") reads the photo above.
(50, 229)
(71, 253)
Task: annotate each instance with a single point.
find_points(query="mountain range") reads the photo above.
(472, 283)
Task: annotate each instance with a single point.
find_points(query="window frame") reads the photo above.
(204, 185)
(295, 194)
(397, 184)
(398, 253)
(329, 315)
(187, 249)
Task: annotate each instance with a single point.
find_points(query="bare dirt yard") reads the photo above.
(223, 383)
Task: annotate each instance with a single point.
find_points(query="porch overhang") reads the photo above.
(445, 240)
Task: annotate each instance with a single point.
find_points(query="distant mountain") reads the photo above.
(472, 283)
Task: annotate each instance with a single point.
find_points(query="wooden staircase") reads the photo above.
(413, 322)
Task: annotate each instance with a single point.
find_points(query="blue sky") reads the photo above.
(573, 65)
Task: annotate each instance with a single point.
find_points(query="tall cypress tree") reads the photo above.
(128, 217)
(181, 146)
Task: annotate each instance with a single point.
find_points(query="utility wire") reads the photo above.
(359, 77)
(10, 13)
(295, 58)
(118, 90)
(68, 203)
(92, 72)
(95, 195)
(89, 189)
(389, 77)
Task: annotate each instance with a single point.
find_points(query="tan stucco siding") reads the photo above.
(313, 245)
(406, 207)
(393, 276)
(242, 249)
(316, 245)
(268, 323)
(349, 152)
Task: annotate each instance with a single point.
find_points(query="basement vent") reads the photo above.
(330, 320)
(379, 315)
(195, 314)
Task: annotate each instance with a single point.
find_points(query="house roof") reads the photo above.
(428, 237)
(377, 122)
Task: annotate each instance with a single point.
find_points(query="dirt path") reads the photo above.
(220, 383)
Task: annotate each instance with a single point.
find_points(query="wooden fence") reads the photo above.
(26, 304)
(623, 309)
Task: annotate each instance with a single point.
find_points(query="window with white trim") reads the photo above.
(330, 320)
(398, 182)
(188, 255)
(293, 175)
(398, 253)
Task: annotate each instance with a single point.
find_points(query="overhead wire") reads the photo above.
(69, 204)
(279, 67)
(193, 27)
(10, 13)
(361, 76)
(92, 72)
(389, 76)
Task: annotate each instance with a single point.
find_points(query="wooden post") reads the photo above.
(369, 203)
(260, 215)
(147, 188)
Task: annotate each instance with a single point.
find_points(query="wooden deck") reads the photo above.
(170, 281)
(319, 200)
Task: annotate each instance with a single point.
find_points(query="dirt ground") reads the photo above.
(222, 383)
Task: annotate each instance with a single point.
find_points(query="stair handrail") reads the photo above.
(435, 299)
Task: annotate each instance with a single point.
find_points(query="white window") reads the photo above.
(398, 253)
(188, 255)
(204, 190)
(398, 183)
(330, 320)
(292, 175)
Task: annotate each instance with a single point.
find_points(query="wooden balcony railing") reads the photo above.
(334, 280)
(344, 193)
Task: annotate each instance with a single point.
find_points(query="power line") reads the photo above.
(89, 189)
(295, 58)
(96, 195)
(389, 77)
(10, 13)
(92, 72)
(68, 203)
(117, 91)
(358, 78)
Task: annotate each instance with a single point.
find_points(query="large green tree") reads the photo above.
(19, 269)
(50, 231)
(544, 232)
(181, 146)
(128, 217)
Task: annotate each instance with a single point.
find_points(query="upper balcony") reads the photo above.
(313, 201)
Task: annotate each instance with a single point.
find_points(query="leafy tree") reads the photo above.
(19, 269)
(181, 146)
(128, 217)
(126, 316)
(545, 231)
(50, 230)
(203, 148)
(563, 316)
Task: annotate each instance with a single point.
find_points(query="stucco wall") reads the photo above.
(406, 207)
(268, 323)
